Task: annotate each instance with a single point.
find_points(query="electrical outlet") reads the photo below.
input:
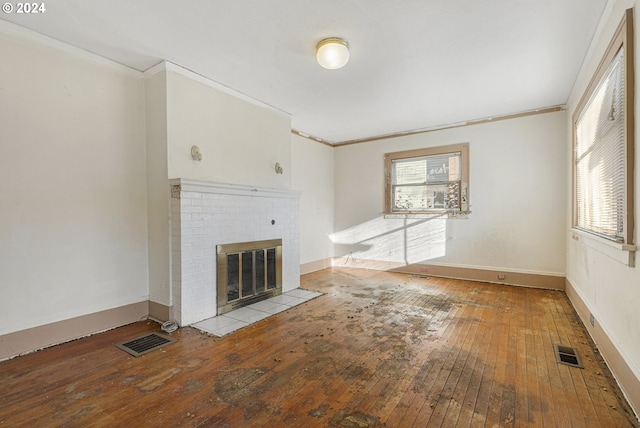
(501, 276)
(592, 320)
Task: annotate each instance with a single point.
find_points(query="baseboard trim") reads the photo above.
(628, 381)
(36, 338)
(522, 279)
(159, 311)
(315, 265)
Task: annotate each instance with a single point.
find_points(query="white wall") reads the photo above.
(240, 142)
(157, 188)
(73, 231)
(610, 289)
(312, 172)
(517, 196)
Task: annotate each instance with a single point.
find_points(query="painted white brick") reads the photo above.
(191, 209)
(201, 220)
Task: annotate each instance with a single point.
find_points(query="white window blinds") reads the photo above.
(600, 177)
(426, 183)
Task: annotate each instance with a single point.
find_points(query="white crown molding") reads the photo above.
(169, 66)
(14, 30)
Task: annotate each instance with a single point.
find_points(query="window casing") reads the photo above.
(431, 180)
(603, 129)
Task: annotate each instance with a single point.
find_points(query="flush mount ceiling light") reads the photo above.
(332, 53)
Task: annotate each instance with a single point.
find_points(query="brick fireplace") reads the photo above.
(206, 215)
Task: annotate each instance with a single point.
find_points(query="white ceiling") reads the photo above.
(414, 64)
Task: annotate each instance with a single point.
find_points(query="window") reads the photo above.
(429, 180)
(603, 145)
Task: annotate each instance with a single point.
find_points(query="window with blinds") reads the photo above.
(427, 180)
(603, 148)
(600, 157)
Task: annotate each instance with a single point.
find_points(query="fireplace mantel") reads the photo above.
(187, 185)
(206, 214)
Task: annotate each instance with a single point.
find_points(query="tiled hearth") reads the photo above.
(204, 215)
(239, 318)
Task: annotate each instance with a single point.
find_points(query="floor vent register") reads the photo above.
(567, 355)
(145, 344)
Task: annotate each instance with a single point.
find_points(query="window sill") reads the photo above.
(432, 214)
(623, 253)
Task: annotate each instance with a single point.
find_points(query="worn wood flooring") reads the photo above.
(376, 350)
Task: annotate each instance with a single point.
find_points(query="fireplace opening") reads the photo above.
(248, 272)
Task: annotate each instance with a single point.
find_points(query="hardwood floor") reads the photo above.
(377, 349)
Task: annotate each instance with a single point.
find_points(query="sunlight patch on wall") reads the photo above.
(404, 240)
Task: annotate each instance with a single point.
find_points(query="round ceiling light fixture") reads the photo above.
(332, 53)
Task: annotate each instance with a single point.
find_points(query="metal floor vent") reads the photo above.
(568, 356)
(145, 344)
